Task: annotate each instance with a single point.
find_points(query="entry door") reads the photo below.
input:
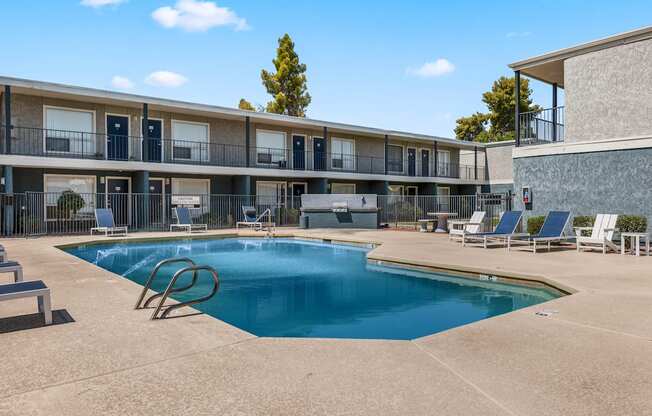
(412, 161)
(425, 162)
(319, 153)
(117, 198)
(156, 202)
(155, 134)
(117, 141)
(297, 189)
(299, 152)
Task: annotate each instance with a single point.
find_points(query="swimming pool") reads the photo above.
(295, 288)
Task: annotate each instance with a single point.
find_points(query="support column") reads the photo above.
(7, 121)
(247, 141)
(435, 160)
(242, 185)
(475, 161)
(517, 111)
(8, 174)
(554, 112)
(145, 130)
(386, 153)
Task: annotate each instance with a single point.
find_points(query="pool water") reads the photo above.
(293, 288)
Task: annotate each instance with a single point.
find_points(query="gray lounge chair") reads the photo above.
(184, 221)
(12, 267)
(35, 288)
(506, 228)
(553, 229)
(3, 253)
(105, 223)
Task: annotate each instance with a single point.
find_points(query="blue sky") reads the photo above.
(409, 65)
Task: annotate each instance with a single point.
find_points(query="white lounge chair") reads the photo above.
(184, 221)
(602, 233)
(457, 228)
(106, 224)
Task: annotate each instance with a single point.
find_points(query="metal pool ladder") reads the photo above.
(192, 267)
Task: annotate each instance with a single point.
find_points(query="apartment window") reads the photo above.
(190, 186)
(394, 158)
(59, 203)
(343, 188)
(343, 154)
(270, 194)
(270, 147)
(190, 141)
(444, 163)
(69, 131)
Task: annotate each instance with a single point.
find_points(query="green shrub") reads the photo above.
(583, 221)
(631, 224)
(535, 223)
(69, 203)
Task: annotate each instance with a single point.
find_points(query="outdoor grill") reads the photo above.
(339, 211)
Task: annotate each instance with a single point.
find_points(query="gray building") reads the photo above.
(594, 154)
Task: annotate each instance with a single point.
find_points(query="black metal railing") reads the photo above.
(542, 126)
(31, 141)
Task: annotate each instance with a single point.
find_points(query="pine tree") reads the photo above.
(287, 85)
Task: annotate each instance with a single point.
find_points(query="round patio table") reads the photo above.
(442, 220)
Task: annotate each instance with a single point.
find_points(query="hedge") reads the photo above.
(625, 223)
(535, 223)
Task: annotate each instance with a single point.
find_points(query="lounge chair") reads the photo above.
(105, 223)
(602, 233)
(252, 219)
(35, 288)
(552, 230)
(184, 220)
(3, 253)
(506, 228)
(457, 228)
(12, 267)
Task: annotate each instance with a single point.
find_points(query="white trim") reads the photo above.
(128, 193)
(172, 138)
(330, 152)
(46, 176)
(343, 184)
(79, 110)
(402, 146)
(305, 152)
(162, 136)
(607, 145)
(106, 133)
(501, 181)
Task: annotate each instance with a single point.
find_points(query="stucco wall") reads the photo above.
(608, 93)
(587, 183)
(499, 161)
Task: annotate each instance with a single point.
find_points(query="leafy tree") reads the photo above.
(473, 127)
(70, 202)
(245, 105)
(288, 84)
(498, 123)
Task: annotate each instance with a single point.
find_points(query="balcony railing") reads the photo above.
(543, 126)
(31, 141)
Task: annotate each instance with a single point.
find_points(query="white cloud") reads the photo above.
(100, 3)
(437, 68)
(197, 16)
(518, 34)
(122, 83)
(165, 79)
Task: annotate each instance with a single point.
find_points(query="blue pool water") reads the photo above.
(292, 288)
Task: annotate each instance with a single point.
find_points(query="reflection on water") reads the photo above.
(305, 289)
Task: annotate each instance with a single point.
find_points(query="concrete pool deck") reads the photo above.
(590, 356)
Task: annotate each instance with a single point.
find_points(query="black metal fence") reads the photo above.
(542, 126)
(32, 141)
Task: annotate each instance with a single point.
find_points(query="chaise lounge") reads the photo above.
(252, 219)
(184, 221)
(34, 288)
(552, 230)
(506, 228)
(457, 228)
(106, 224)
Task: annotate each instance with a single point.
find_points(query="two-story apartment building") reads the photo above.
(56, 137)
(594, 154)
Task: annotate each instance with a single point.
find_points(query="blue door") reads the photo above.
(425, 162)
(299, 152)
(152, 151)
(412, 162)
(117, 140)
(319, 153)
